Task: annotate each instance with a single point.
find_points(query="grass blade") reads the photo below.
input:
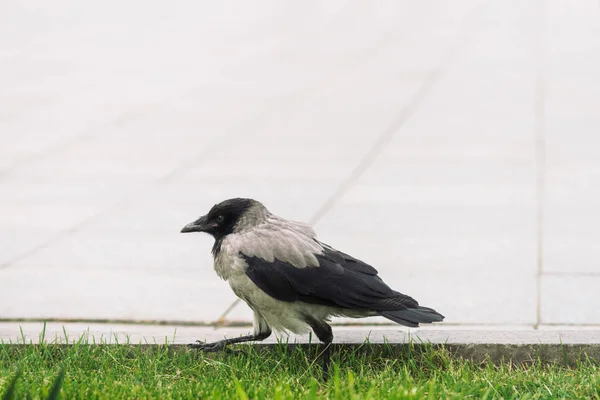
(10, 391)
(58, 381)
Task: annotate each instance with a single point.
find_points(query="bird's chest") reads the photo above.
(233, 270)
(229, 265)
(278, 314)
(247, 290)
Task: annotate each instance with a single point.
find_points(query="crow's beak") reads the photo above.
(198, 225)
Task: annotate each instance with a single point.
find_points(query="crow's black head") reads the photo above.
(222, 218)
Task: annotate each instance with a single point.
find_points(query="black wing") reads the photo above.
(340, 280)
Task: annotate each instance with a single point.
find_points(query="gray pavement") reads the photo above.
(454, 146)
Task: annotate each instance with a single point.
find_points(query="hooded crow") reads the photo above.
(290, 279)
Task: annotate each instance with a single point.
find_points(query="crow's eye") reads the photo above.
(220, 219)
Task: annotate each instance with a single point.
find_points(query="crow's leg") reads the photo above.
(221, 344)
(261, 332)
(325, 335)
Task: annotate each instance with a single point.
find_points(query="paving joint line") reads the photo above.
(540, 150)
(244, 323)
(572, 274)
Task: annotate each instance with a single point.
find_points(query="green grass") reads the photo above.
(414, 372)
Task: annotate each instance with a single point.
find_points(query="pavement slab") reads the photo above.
(451, 145)
(33, 332)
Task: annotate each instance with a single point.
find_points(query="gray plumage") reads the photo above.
(291, 280)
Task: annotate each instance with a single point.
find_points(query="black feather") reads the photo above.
(413, 316)
(339, 281)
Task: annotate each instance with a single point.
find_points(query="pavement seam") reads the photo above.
(246, 323)
(572, 274)
(540, 150)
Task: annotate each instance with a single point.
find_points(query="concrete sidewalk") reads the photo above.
(454, 146)
(55, 332)
(562, 345)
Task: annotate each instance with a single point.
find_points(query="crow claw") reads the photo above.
(208, 347)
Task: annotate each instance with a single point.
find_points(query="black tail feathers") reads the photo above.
(413, 316)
